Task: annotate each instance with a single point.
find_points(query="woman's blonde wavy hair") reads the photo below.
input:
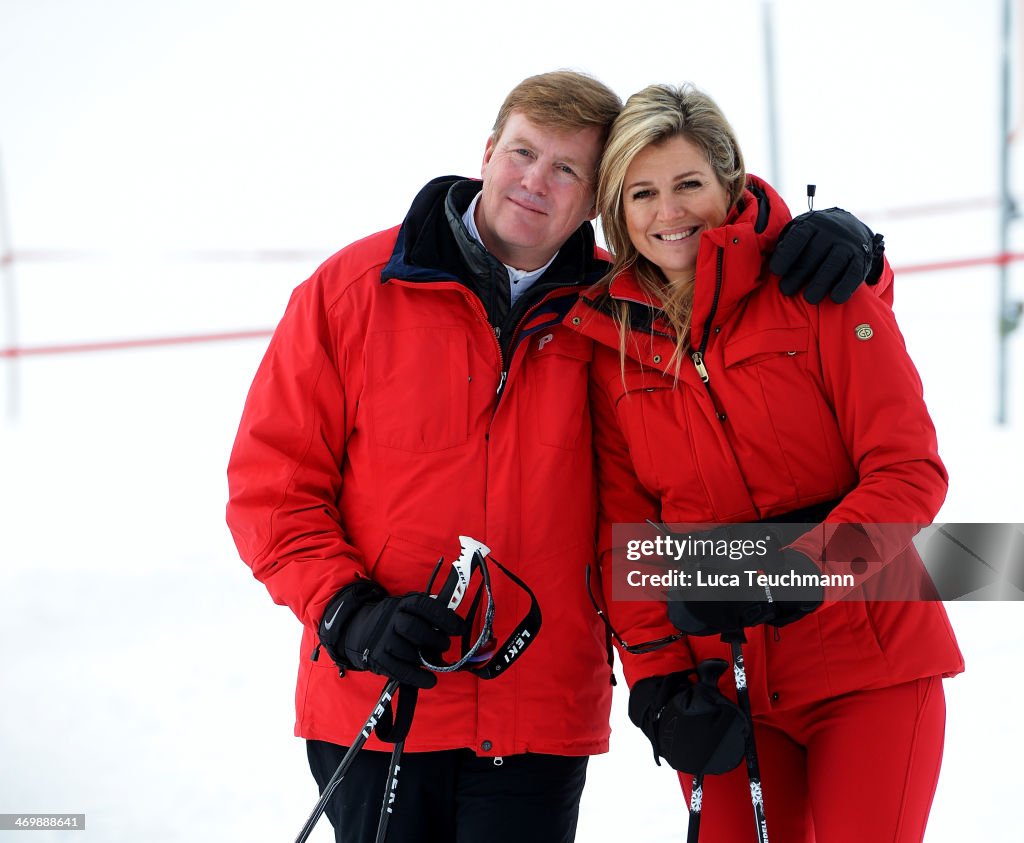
(653, 116)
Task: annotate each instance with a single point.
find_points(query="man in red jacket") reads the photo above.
(421, 387)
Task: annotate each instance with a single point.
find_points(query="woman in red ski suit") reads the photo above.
(788, 412)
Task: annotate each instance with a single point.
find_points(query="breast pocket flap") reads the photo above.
(762, 345)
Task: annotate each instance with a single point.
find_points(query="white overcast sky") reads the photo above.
(226, 123)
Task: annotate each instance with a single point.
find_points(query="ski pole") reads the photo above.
(735, 641)
(451, 593)
(390, 791)
(349, 757)
(696, 798)
(454, 589)
(473, 556)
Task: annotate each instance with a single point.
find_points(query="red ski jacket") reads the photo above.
(803, 405)
(386, 420)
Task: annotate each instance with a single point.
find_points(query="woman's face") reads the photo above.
(670, 196)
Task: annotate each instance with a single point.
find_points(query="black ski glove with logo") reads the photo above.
(688, 721)
(828, 252)
(729, 600)
(365, 629)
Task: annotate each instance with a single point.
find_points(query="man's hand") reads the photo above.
(828, 252)
(363, 630)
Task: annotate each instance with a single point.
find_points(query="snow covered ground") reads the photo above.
(145, 678)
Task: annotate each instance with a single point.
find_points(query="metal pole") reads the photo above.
(10, 300)
(774, 172)
(1009, 312)
(350, 755)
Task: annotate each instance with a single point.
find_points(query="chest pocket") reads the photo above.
(417, 388)
(770, 389)
(782, 426)
(558, 362)
(655, 417)
(773, 344)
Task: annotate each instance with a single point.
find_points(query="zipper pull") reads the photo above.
(501, 383)
(698, 362)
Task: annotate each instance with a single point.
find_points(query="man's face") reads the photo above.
(538, 189)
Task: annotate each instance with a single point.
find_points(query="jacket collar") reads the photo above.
(426, 248)
(433, 244)
(479, 261)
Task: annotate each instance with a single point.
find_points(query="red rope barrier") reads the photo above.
(191, 255)
(120, 345)
(962, 263)
(929, 209)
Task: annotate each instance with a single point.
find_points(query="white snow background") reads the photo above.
(146, 678)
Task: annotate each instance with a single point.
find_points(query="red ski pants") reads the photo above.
(856, 768)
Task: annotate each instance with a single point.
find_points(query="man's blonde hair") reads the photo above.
(564, 100)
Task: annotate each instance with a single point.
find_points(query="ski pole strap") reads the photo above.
(521, 637)
(394, 727)
(484, 657)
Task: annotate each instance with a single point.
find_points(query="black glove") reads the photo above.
(733, 602)
(364, 629)
(831, 252)
(689, 722)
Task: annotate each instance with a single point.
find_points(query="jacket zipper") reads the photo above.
(698, 355)
(495, 333)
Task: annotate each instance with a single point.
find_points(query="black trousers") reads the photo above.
(453, 796)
